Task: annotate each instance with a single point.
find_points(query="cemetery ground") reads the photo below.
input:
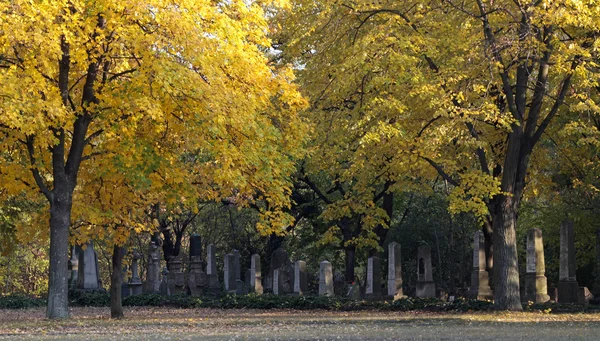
(163, 323)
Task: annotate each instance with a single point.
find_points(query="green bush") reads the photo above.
(20, 302)
(82, 298)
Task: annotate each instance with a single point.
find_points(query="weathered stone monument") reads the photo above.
(280, 260)
(229, 273)
(567, 282)
(536, 284)
(164, 283)
(480, 279)
(425, 284)
(135, 282)
(196, 277)
(277, 289)
(255, 275)
(326, 279)
(73, 267)
(214, 286)
(175, 277)
(239, 284)
(152, 284)
(300, 278)
(88, 277)
(394, 271)
(373, 287)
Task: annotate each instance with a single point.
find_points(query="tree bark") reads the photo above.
(350, 252)
(60, 220)
(116, 279)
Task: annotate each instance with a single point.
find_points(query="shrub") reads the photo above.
(20, 302)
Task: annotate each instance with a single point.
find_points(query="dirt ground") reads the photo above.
(211, 324)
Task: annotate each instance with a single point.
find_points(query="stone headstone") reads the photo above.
(480, 280)
(74, 267)
(152, 284)
(195, 246)
(373, 288)
(280, 260)
(326, 279)
(164, 284)
(239, 284)
(300, 279)
(88, 277)
(211, 260)
(425, 284)
(354, 292)
(214, 286)
(135, 282)
(175, 277)
(567, 283)
(584, 296)
(277, 282)
(536, 284)
(255, 275)
(229, 273)
(395, 271)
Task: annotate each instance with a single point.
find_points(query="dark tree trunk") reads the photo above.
(116, 279)
(489, 250)
(596, 285)
(350, 252)
(60, 220)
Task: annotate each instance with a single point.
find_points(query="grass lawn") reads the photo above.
(211, 324)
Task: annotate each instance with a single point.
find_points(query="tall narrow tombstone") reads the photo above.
(567, 281)
(394, 271)
(175, 277)
(152, 284)
(425, 284)
(164, 283)
(88, 276)
(74, 267)
(326, 279)
(214, 286)
(536, 284)
(373, 289)
(229, 273)
(480, 280)
(239, 284)
(277, 282)
(196, 277)
(135, 282)
(300, 279)
(255, 275)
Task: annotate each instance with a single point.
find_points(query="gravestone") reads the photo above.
(536, 284)
(164, 283)
(280, 260)
(73, 267)
(88, 277)
(247, 282)
(125, 290)
(229, 273)
(480, 280)
(255, 275)
(394, 271)
(239, 285)
(425, 284)
(300, 279)
(175, 277)
(196, 277)
(326, 279)
(354, 292)
(135, 282)
(373, 288)
(567, 282)
(277, 282)
(214, 286)
(152, 284)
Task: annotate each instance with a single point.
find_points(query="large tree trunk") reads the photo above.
(350, 252)
(487, 230)
(58, 289)
(116, 278)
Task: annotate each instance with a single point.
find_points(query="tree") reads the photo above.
(139, 84)
(467, 89)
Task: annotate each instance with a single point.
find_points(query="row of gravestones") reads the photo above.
(286, 278)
